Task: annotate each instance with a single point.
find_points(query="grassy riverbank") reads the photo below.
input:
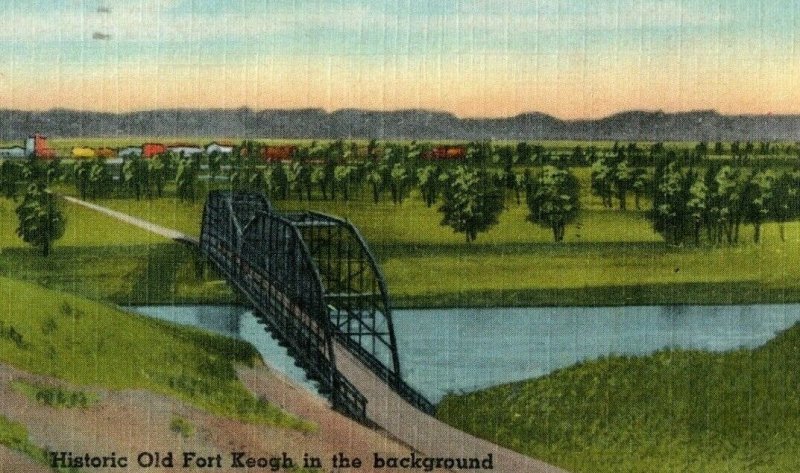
(89, 343)
(687, 411)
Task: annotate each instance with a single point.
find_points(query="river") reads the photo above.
(457, 350)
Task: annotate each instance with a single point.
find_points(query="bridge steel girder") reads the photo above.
(313, 280)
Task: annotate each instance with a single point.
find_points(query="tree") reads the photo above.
(553, 200)
(622, 177)
(397, 183)
(471, 203)
(602, 181)
(99, 179)
(578, 156)
(524, 152)
(10, 174)
(135, 176)
(639, 186)
(186, 181)
(318, 178)
(216, 161)
(701, 149)
(730, 183)
(41, 221)
(155, 169)
(428, 179)
(757, 198)
(303, 181)
(293, 182)
(784, 203)
(375, 180)
(342, 175)
(697, 206)
(670, 214)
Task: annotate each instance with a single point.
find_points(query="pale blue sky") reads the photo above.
(472, 57)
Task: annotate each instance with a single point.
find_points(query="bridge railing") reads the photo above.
(357, 297)
(266, 259)
(313, 279)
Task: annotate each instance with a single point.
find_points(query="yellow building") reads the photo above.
(82, 152)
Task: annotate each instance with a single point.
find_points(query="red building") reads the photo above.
(272, 154)
(152, 149)
(446, 153)
(36, 146)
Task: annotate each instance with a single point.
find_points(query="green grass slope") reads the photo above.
(671, 411)
(89, 343)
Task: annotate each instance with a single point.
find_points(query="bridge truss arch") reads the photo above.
(312, 279)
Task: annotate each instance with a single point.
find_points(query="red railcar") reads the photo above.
(446, 153)
(152, 149)
(272, 154)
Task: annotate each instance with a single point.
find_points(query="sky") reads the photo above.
(474, 58)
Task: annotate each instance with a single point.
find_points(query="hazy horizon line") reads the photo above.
(407, 110)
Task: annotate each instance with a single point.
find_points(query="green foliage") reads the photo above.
(428, 179)
(398, 183)
(374, 178)
(181, 426)
(601, 181)
(99, 179)
(471, 202)
(10, 176)
(80, 171)
(41, 221)
(553, 200)
(136, 176)
(342, 176)
(671, 411)
(186, 180)
(55, 396)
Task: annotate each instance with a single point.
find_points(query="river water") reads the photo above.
(457, 350)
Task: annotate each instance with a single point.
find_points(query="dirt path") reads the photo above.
(130, 422)
(129, 219)
(12, 461)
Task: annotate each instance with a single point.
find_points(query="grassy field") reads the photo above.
(609, 257)
(101, 258)
(90, 343)
(687, 411)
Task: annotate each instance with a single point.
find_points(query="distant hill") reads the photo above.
(414, 124)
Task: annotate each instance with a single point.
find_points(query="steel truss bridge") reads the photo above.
(315, 284)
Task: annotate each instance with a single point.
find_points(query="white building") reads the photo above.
(12, 152)
(218, 148)
(129, 152)
(185, 150)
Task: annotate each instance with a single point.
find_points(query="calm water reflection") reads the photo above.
(445, 350)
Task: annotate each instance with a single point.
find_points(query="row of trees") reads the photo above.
(690, 205)
(685, 197)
